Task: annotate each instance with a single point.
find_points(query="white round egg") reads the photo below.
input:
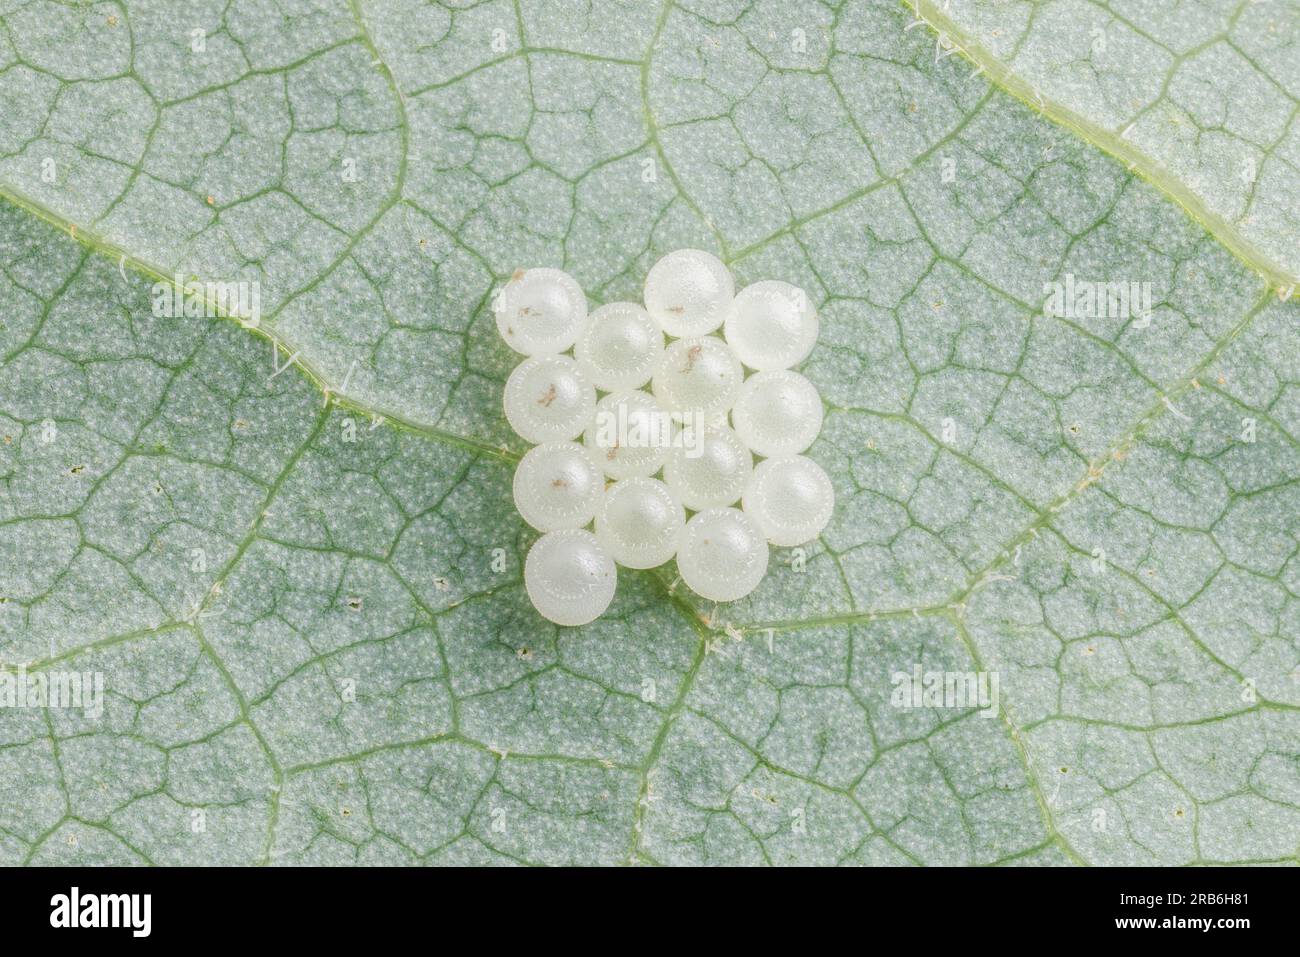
(570, 577)
(790, 499)
(723, 555)
(558, 485)
(708, 467)
(688, 291)
(620, 347)
(540, 312)
(549, 399)
(700, 376)
(640, 522)
(771, 325)
(777, 413)
(629, 434)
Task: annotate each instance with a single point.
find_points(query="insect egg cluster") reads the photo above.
(653, 469)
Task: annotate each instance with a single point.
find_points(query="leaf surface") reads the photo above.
(1202, 98)
(308, 612)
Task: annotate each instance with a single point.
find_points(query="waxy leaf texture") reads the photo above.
(289, 548)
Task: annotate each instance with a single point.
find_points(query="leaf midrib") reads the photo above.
(1003, 77)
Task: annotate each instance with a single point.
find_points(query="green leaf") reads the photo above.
(307, 607)
(1201, 99)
